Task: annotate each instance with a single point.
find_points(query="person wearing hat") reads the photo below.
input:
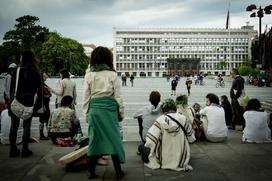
(7, 82)
(63, 122)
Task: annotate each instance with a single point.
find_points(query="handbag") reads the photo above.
(17, 108)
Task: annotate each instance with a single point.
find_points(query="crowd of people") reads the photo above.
(166, 128)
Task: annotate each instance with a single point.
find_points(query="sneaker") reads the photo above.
(14, 153)
(26, 153)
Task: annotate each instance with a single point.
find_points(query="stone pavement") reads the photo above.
(232, 160)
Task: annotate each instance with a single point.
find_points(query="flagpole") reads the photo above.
(228, 26)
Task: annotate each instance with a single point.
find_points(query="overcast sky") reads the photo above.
(91, 21)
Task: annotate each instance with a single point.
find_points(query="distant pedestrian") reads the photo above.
(237, 92)
(131, 79)
(103, 105)
(7, 82)
(174, 84)
(257, 123)
(124, 79)
(188, 85)
(28, 85)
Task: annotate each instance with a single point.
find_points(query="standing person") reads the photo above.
(28, 85)
(227, 108)
(168, 140)
(236, 92)
(7, 83)
(131, 79)
(174, 84)
(103, 105)
(188, 85)
(66, 87)
(214, 125)
(44, 117)
(256, 127)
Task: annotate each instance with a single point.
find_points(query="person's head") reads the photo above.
(64, 73)
(235, 72)
(211, 98)
(11, 67)
(223, 99)
(45, 76)
(182, 100)
(196, 107)
(168, 105)
(155, 98)
(28, 58)
(66, 101)
(102, 55)
(253, 105)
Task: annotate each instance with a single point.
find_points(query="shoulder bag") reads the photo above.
(18, 109)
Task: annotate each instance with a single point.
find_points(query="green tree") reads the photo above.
(245, 70)
(58, 52)
(26, 32)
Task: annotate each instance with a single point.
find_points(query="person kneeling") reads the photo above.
(63, 124)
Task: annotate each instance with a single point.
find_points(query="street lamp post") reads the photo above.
(260, 14)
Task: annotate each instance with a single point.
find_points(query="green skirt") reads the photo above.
(104, 131)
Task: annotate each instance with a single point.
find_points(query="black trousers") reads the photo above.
(14, 129)
(237, 113)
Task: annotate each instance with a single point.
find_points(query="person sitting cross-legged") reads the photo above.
(213, 118)
(63, 122)
(168, 140)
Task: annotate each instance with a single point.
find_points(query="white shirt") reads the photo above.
(100, 84)
(256, 129)
(7, 86)
(216, 120)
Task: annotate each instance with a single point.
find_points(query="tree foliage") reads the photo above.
(51, 49)
(245, 70)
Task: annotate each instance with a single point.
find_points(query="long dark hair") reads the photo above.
(102, 55)
(225, 100)
(253, 104)
(28, 59)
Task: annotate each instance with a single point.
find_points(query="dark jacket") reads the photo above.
(28, 85)
(238, 85)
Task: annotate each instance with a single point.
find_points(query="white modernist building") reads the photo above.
(144, 51)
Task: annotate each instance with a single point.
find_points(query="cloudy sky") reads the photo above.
(91, 21)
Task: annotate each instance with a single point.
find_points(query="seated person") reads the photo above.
(5, 128)
(257, 121)
(184, 109)
(227, 108)
(214, 124)
(146, 116)
(168, 140)
(63, 122)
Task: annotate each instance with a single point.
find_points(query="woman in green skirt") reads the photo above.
(104, 108)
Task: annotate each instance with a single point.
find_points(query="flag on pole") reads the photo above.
(227, 21)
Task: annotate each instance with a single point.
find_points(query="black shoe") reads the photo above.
(120, 175)
(14, 153)
(26, 153)
(92, 176)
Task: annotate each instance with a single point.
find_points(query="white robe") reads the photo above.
(169, 147)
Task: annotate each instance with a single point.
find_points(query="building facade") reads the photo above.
(144, 51)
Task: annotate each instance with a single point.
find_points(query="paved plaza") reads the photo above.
(231, 160)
